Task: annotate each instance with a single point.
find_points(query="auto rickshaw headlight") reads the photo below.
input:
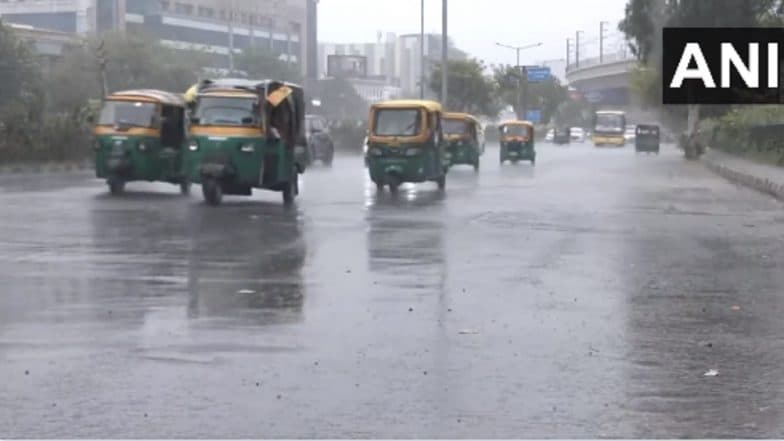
(247, 148)
(193, 146)
(142, 146)
(412, 152)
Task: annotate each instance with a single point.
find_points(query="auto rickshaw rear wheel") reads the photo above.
(441, 181)
(116, 186)
(379, 186)
(185, 188)
(292, 187)
(212, 191)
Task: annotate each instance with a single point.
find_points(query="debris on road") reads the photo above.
(711, 373)
(246, 291)
(469, 331)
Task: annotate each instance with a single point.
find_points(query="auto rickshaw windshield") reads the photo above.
(398, 122)
(455, 127)
(515, 130)
(227, 111)
(128, 113)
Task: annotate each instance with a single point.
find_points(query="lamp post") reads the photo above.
(523, 79)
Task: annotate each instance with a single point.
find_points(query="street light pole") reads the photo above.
(577, 48)
(522, 80)
(422, 49)
(601, 41)
(444, 53)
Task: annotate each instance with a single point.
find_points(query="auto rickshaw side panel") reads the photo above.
(134, 155)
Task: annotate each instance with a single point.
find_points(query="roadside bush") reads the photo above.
(756, 132)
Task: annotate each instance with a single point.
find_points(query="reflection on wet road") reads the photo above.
(583, 298)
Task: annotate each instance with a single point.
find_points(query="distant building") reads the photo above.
(287, 27)
(392, 60)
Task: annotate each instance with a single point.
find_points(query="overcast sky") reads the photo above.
(476, 25)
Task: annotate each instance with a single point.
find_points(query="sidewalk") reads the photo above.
(768, 179)
(53, 167)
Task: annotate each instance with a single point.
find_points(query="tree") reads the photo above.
(644, 20)
(545, 96)
(262, 63)
(470, 90)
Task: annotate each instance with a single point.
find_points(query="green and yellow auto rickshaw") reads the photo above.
(246, 134)
(140, 136)
(517, 141)
(462, 133)
(406, 144)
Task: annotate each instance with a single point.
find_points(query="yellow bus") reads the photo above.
(608, 128)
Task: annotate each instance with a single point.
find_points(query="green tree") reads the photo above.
(260, 62)
(545, 96)
(470, 90)
(644, 20)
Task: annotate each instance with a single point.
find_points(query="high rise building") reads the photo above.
(218, 26)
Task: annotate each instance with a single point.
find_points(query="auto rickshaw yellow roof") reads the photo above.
(461, 115)
(150, 95)
(228, 92)
(517, 122)
(431, 106)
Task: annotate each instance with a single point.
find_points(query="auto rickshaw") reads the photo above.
(406, 144)
(517, 141)
(562, 136)
(646, 139)
(140, 136)
(246, 134)
(462, 131)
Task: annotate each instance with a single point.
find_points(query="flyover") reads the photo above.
(605, 82)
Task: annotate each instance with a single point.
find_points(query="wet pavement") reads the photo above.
(584, 298)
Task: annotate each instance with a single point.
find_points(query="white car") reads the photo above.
(630, 133)
(577, 134)
(549, 136)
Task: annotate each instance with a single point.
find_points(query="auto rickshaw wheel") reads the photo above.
(185, 188)
(212, 191)
(116, 186)
(292, 188)
(379, 186)
(441, 181)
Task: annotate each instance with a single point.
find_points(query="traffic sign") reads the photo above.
(535, 116)
(538, 74)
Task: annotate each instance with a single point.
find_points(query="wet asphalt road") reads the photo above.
(583, 298)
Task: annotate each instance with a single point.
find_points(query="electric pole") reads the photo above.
(577, 48)
(601, 41)
(422, 49)
(444, 53)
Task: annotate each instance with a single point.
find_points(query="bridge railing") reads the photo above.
(597, 61)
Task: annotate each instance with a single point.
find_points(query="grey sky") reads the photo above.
(476, 25)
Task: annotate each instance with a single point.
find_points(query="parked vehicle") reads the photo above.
(140, 136)
(319, 142)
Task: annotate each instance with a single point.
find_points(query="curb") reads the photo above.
(747, 180)
(55, 167)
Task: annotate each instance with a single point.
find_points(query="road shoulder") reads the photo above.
(764, 178)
